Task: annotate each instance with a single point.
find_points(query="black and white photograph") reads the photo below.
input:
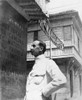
(40, 49)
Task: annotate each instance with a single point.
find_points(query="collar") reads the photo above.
(40, 57)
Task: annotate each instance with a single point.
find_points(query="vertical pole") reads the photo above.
(50, 42)
(50, 46)
(72, 79)
(80, 81)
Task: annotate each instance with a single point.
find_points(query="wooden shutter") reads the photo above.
(67, 33)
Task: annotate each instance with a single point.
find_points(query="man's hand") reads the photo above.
(46, 98)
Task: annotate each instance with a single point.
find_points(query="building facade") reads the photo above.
(13, 44)
(68, 27)
(15, 40)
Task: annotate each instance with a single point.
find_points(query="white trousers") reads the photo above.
(34, 95)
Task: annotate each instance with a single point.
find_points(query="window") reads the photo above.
(67, 33)
(59, 32)
(42, 36)
(30, 36)
(35, 35)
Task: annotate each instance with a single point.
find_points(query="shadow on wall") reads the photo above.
(12, 85)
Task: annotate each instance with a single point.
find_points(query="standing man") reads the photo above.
(45, 76)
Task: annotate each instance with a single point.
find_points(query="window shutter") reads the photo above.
(67, 33)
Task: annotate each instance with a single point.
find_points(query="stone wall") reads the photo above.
(13, 39)
(12, 86)
(13, 44)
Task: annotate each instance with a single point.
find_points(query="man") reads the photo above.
(45, 76)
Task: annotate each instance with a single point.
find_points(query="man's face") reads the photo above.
(35, 49)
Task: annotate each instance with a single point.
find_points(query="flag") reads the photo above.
(45, 26)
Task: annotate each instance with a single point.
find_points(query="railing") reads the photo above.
(55, 53)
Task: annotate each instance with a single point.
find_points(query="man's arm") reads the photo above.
(58, 79)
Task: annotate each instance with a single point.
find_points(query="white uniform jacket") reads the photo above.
(45, 78)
